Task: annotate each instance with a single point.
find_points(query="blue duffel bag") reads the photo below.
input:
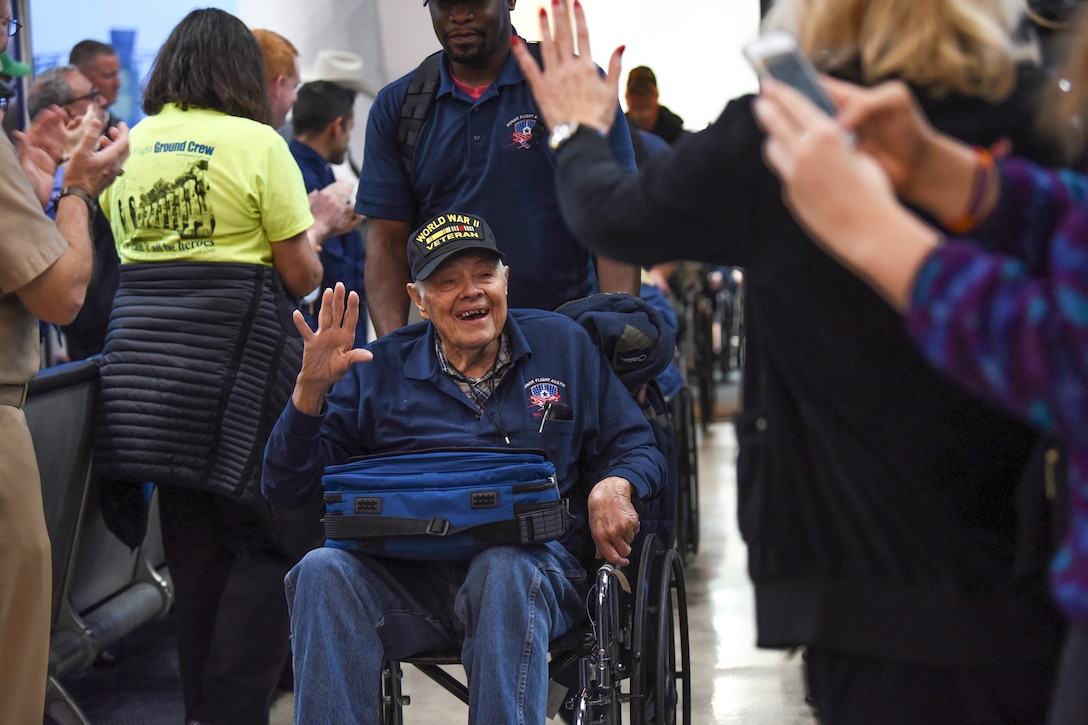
(442, 503)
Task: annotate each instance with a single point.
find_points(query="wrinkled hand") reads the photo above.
(330, 350)
(888, 125)
(98, 159)
(46, 132)
(841, 195)
(74, 128)
(612, 519)
(570, 87)
(41, 150)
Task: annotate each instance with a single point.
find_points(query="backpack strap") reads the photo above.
(422, 90)
(417, 105)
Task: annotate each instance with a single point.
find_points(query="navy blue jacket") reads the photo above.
(402, 401)
(342, 256)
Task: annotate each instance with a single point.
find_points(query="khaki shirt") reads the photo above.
(29, 244)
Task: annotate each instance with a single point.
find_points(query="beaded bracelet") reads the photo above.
(971, 218)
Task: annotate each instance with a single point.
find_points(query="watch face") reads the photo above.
(561, 133)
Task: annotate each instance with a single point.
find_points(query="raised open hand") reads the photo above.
(569, 87)
(329, 350)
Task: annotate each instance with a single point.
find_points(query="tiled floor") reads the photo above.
(732, 681)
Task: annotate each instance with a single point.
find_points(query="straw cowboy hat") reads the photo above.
(340, 67)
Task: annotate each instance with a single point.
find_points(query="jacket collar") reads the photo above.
(422, 362)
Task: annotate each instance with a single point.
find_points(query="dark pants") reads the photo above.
(232, 625)
(1070, 705)
(849, 689)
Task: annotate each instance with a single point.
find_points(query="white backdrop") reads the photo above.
(693, 46)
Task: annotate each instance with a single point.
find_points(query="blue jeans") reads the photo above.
(349, 612)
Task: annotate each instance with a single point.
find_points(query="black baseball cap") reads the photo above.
(640, 77)
(445, 235)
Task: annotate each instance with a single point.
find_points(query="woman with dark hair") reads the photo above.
(201, 355)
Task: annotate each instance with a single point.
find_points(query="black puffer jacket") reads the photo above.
(200, 359)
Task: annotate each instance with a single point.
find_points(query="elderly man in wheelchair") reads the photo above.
(472, 375)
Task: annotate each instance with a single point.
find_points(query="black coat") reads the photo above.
(878, 501)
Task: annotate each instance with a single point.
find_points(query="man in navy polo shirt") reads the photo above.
(480, 150)
(321, 122)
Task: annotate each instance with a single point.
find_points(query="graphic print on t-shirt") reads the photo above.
(204, 186)
(179, 204)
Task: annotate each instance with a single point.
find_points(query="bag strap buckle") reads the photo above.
(438, 527)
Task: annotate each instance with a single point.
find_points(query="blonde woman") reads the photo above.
(1000, 307)
(878, 500)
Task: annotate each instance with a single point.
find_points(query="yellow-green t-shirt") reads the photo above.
(203, 186)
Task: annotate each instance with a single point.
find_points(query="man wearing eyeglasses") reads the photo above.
(68, 89)
(44, 271)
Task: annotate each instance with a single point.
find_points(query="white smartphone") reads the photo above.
(776, 55)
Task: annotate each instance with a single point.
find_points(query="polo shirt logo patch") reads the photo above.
(521, 130)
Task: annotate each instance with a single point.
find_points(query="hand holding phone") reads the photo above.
(776, 55)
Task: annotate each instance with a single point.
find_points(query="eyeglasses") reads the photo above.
(90, 96)
(12, 26)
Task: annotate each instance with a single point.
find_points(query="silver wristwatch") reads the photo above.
(561, 134)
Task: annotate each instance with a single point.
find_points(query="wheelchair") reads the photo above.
(631, 655)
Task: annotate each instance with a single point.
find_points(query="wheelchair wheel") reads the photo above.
(660, 685)
(687, 494)
(703, 358)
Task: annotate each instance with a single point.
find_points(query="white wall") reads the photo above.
(693, 47)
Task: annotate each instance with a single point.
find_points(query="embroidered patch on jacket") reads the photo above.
(543, 391)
